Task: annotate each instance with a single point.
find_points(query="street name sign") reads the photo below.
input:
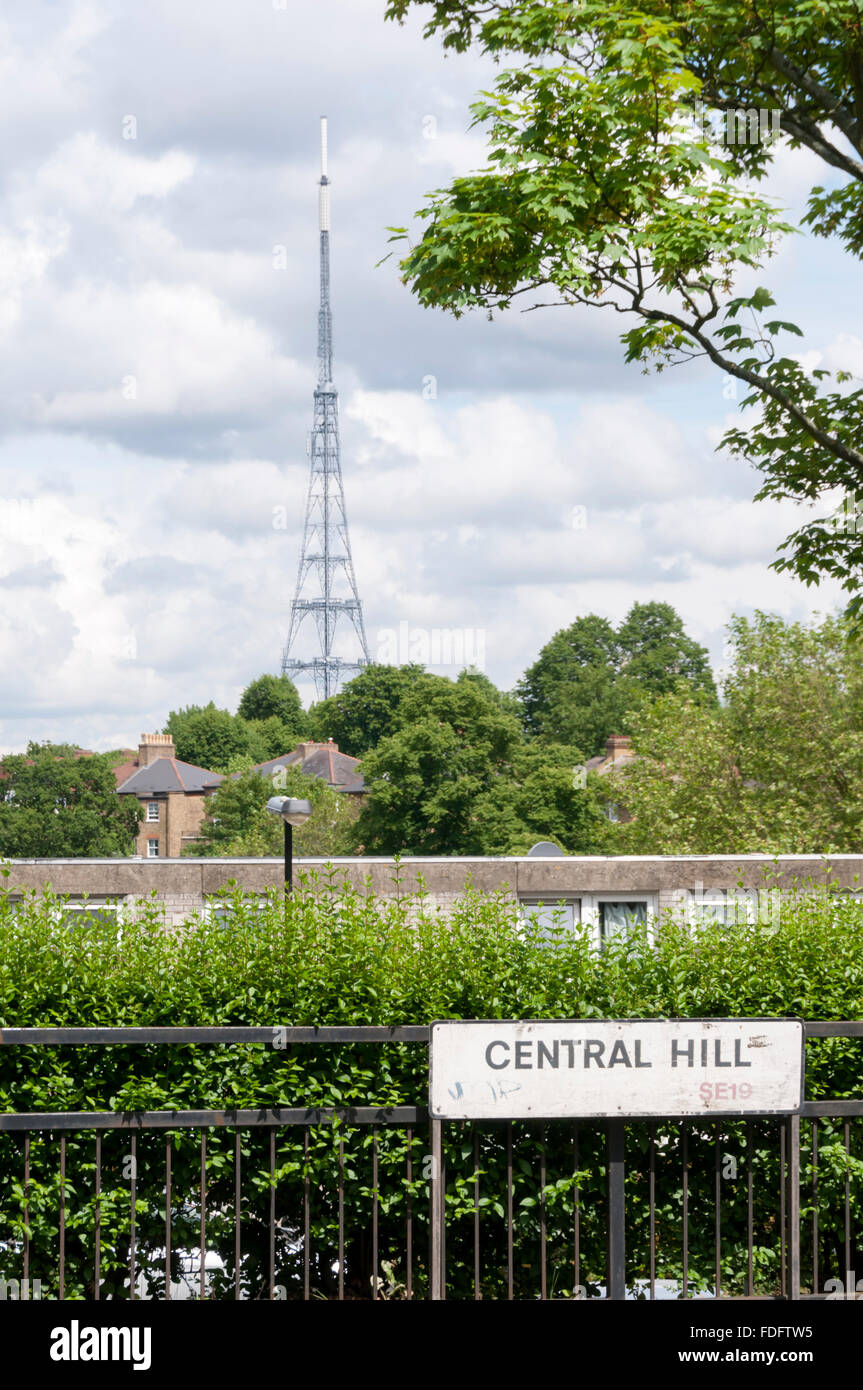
(615, 1069)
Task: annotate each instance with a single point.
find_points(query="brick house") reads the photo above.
(172, 793)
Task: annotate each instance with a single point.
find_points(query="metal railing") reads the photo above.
(364, 1201)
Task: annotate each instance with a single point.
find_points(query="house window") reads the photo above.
(152, 849)
(88, 913)
(552, 919)
(718, 908)
(617, 918)
(80, 912)
(152, 810)
(226, 912)
(727, 906)
(735, 907)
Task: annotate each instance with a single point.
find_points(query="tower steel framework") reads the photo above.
(326, 583)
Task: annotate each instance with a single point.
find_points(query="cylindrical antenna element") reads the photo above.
(323, 147)
(325, 207)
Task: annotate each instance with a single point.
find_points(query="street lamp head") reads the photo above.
(291, 809)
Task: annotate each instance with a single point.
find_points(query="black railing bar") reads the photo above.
(61, 1277)
(341, 1198)
(409, 1225)
(358, 1115)
(830, 1109)
(307, 1198)
(97, 1214)
(214, 1119)
(278, 1035)
(132, 1214)
(275, 1035)
(827, 1028)
(272, 1214)
(202, 1289)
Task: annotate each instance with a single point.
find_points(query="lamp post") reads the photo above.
(293, 812)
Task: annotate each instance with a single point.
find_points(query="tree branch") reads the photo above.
(799, 127)
(763, 384)
(830, 104)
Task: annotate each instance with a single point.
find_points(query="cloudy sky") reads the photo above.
(158, 283)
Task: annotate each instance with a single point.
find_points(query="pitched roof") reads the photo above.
(320, 760)
(122, 771)
(170, 775)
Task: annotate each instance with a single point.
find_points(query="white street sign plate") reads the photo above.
(615, 1068)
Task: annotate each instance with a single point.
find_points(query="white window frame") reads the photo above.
(590, 905)
(105, 907)
(549, 903)
(151, 807)
(222, 911)
(65, 912)
(150, 848)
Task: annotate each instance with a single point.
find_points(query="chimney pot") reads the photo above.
(153, 746)
(617, 745)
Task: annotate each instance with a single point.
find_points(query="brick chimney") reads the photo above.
(618, 748)
(153, 746)
(308, 748)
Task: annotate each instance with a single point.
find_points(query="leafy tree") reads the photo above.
(543, 796)
(237, 821)
(589, 680)
(366, 710)
(568, 694)
(422, 780)
(269, 738)
(611, 184)
(207, 736)
(274, 697)
(456, 778)
(656, 654)
(55, 806)
(269, 721)
(795, 714)
(684, 790)
(506, 700)
(777, 769)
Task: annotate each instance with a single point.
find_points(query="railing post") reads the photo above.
(615, 1274)
(436, 1210)
(792, 1206)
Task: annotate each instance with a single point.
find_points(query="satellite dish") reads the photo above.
(545, 850)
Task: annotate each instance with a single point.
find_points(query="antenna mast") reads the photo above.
(325, 558)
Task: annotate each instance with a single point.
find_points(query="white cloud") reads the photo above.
(25, 256)
(167, 350)
(44, 76)
(88, 174)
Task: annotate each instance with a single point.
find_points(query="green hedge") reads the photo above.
(337, 956)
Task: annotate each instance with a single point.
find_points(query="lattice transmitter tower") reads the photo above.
(326, 584)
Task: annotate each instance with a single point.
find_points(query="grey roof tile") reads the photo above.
(170, 775)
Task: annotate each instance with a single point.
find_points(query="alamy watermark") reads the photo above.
(753, 125)
(20, 1290)
(848, 516)
(77, 1343)
(436, 646)
(734, 907)
(849, 1287)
